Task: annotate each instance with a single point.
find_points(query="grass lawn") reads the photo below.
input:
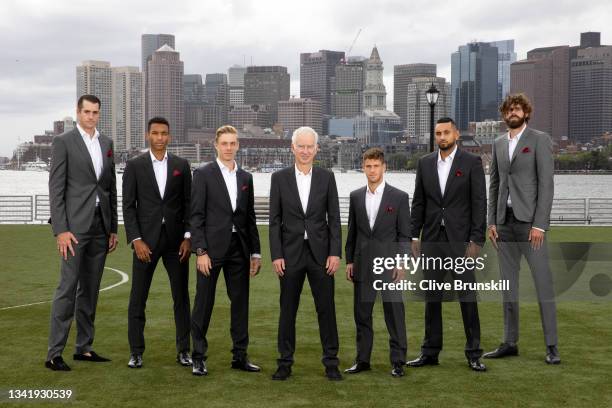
(29, 272)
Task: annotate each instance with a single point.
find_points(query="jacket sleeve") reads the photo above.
(130, 203)
(545, 167)
(252, 220)
(333, 218)
(275, 219)
(187, 196)
(493, 188)
(418, 204)
(478, 189)
(197, 222)
(57, 186)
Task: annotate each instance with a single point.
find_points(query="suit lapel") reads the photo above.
(83, 148)
(502, 150)
(148, 163)
(453, 171)
(293, 185)
(313, 179)
(221, 181)
(169, 174)
(382, 207)
(521, 144)
(241, 181)
(362, 211)
(434, 171)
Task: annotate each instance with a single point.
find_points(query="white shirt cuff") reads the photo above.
(135, 239)
(187, 235)
(539, 229)
(415, 239)
(256, 256)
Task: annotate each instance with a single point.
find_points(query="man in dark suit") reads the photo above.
(520, 201)
(83, 203)
(379, 214)
(449, 210)
(224, 230)
(156, 207)
(305, 240)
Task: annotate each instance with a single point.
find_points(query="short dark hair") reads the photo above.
(446, 119)
(88, 98)
(374, 153)
(159, 120)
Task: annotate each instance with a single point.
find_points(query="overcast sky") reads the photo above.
(45, 40)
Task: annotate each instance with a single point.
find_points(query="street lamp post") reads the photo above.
(432, 98)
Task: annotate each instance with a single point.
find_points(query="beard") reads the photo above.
(448, 146)
(514, 122)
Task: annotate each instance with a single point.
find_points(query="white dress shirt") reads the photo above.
(95, 152)
(372, 202)
(444, 167)
(512, 142)
(231, 183)
(303, 184)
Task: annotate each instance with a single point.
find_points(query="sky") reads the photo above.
(45, 40)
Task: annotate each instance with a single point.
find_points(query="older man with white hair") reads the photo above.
(305, 241)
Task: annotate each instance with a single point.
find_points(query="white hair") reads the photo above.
(304, 130)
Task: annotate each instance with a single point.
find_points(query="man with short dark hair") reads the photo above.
(379, 215)
(156, 208)
(520, 201)
(83, 204)
(449, 215)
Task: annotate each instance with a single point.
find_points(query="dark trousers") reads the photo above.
(393, 308)
(513, 244)
(235, 265)
(322, 287)
(142, 275)
(432, 343)
(76, 295)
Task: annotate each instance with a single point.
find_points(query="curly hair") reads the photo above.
(517, 99)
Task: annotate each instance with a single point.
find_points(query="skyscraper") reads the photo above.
(217, 98)
(236, 84)
(297, 112)
(266, 85)
(402, 76)
(96, 78)
(194, 99)
(590, 94)
(418, 110)
(165, 89)
(505, 57)
(149, 43)
(474, 83)
(316, 72)
(128, 109)
(347, 88)
(374, 93)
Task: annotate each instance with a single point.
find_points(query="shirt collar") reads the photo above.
(518, 136)
(450, 156)
(154, 159)
(84, 134)
(379, 190)
(225, 168)
(299, 173)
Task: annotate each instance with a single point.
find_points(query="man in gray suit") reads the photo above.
(83, 201)
(520, 201)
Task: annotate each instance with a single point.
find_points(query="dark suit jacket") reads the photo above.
(288, 220)
(73, 185)
(212, 216)
(143, 206)
(463, 205)
(392, 225)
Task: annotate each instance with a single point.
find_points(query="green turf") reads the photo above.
(29, 273)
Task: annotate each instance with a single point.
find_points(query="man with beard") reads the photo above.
(449, 214)
(520, 201)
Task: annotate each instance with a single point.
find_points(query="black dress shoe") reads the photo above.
(504, 350)
(476, 365)
(199, 367)
(398, 370)
(135, 361)
(245, 365)
(552, 355)
(333, 374)
(184, 359)
(92, 357)
(358, 367)
(423, 360)
(282, 373)
(57, 364)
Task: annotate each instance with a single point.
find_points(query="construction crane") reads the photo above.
(352, 44)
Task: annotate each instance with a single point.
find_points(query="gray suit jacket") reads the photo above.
(528, 177)
(73, 185)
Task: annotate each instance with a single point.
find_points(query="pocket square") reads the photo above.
(390, 209)
(109, 153)
(458, 173)
(525, 150)
(244, 188)
(176, 173)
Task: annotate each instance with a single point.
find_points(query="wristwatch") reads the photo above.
(201, 251)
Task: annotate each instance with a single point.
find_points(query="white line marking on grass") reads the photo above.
(124, 278)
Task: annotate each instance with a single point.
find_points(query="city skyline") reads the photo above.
(37, 81)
